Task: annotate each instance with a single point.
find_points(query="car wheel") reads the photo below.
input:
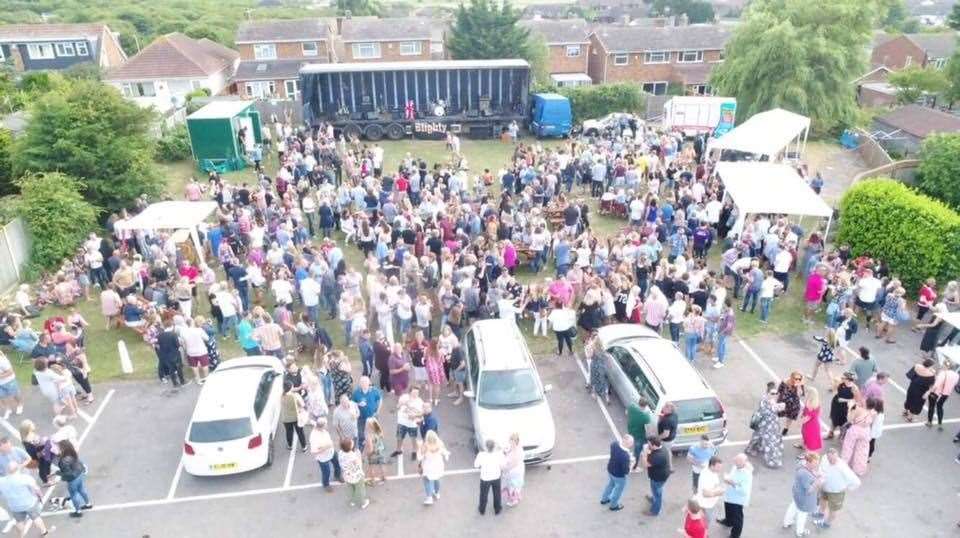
(270, 451)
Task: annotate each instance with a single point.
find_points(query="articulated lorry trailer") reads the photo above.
(476, 98)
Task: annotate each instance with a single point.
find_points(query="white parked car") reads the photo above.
(233, 425)
(611, 122)
(505, 391)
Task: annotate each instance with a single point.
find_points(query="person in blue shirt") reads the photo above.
(368, 399)
(429, 422)
(507, 181)
(699, 456)
(562, 257)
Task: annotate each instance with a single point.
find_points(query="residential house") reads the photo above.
(164, 72)
(34, 47)
(904, 129)
(568, 48)
(873, 89)
(551, 11)
(391, 40)
(657, 58)
(923, 50)
(272, 52)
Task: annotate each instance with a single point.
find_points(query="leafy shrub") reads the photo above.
(594, 101)
(174, 145)
(918, 236)
(6, 165)
(56, 214)
(940, 168)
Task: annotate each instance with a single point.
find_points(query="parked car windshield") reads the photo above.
(508, 388)
(214, 431)
(698, 409)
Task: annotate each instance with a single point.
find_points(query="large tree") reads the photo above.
(488, 30)
(952, 93)
(87, 130)
(953, 20)
(57, 216)
(913, 83)
(800, 55)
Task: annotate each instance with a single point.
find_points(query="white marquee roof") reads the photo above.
(762, 187)
(173, 215)
(766, 133)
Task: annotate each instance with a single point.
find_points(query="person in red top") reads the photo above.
(925, 299)
(816, 286)
(694, 520)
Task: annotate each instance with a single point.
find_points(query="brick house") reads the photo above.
(33, 47)
(391, 40)
(568, 48)
(873, 90)
(905, 128)
(657, 58)
(924, 50)
(272, 52)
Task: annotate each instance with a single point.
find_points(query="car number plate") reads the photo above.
(223, 466)
(695, 429)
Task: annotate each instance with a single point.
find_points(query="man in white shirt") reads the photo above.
(310, 294)
(675, 315)
(712, 210)
(710, 488)
(490, 462)
(838, 479)
(866, 291)
(195, 344)
(409, 415)
(636, 211)
(229, 307)
(781, 267)
(282, 291)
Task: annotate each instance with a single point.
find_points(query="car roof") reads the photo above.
(500, 345)
(229, 391)
(678, 378)
(609, 334)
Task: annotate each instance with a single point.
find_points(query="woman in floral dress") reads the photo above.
(789, 394)
(433, 362)
(598, 368)
(767, 441)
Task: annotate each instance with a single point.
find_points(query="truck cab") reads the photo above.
(550, 115)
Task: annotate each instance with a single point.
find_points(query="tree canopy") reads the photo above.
(697, 11)
(913, 83)
(939, 174)
(485, 30)
(800, 55)
(87, 130)
(57, 216)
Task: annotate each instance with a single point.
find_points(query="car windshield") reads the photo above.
(508, 388)
(214, 431)
(698, 410)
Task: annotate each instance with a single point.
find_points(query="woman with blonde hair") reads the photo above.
(432, 455)
(827, 355)
(374, 450)
(36, 447)
(893, 311)
(810, 433)
(513, 471)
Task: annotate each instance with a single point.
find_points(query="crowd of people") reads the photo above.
(441, 245)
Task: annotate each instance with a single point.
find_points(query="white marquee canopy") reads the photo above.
(171, 216)
(767, 133)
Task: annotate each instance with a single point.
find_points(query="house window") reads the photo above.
(939, 63)
(410, 48)
(265, 51)
(40, 51)
(139, 89)
(700, 89)
(655, 88)
(366, 51)
(908, 61)
(65, 49)
(690, 56)
(620, 59)
(195, 85)
(573, 51)
(657, 57)
(309, 48)
(82, 48)
(293, 89)
(261, 89)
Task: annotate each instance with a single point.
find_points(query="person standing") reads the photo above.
(563, 321)
(195, 345)
(810, 433)
(806, 483)
(368, 400)
(838, 479)
(490, 462)
(292, 412)
(351, 465)
(739, 481)
(514, 471)
(710, 488)
(618, 467)
(638, 416)
(922, 377)
(433, 455)
(767, 439)
(943, 385)
(667, 430)
(725, 327)
(865, 368)
(23, 498)
(658, 471)
(699, 457)
(72, 471)
(695, 520)
(324, 451)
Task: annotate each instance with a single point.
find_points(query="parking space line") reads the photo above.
(889, 378)
(603, 408)
(176, 479)
(83, 414)
(289, 474)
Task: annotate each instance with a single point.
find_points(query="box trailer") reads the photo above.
(424, 99)
(222, 133)
(694, 114)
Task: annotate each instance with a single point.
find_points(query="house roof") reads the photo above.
(282, 30)
(551, 11)
(559, 31)
(175, 56)
(37, 32)
(935, 45)
(272, 70)
(393, 29)
(921, 121)
(641, 39)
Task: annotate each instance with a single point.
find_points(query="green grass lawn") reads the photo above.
(102, 344)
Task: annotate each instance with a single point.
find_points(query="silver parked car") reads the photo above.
(505, 391)
(641, 363)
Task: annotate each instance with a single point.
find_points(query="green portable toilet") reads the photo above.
(215, 134)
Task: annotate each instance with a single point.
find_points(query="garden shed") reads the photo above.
(222, 133)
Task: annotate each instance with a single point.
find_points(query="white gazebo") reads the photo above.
(770, 188)
(171, 216)
(771, 133)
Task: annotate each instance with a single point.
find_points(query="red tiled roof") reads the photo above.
(175, 56)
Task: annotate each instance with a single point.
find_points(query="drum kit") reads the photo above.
(439, 108)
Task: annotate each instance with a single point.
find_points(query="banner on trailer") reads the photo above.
(728, 115)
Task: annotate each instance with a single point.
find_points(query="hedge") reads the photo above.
(174, 145)
(918, 236)
(588, 102)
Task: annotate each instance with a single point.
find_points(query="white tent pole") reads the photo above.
(827, 232)
(806, 132)
(196, 243)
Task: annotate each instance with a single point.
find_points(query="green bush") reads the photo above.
(174, 145)
(590, 102)
(6, 164)
(918, 236)
(56, 214)
(940, 168)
